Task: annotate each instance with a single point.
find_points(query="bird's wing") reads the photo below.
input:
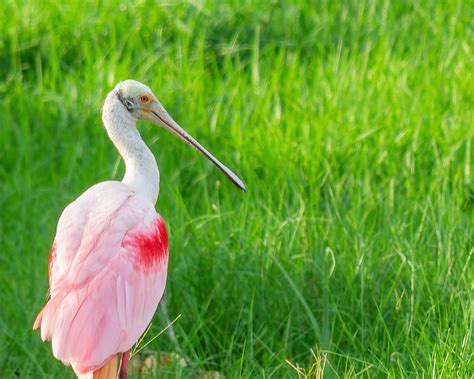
(107, 275)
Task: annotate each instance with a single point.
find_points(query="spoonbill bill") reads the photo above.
(109, 259)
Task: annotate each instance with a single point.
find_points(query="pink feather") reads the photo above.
(108, 268)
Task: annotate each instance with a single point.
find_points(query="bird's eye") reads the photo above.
(144, 99)
(128, 104)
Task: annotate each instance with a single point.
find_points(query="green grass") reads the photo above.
(351, 124)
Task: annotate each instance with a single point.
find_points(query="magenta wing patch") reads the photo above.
(151, 248)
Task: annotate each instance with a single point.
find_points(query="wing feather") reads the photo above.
(107, 278)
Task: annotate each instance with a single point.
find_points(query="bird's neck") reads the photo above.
(141, 170)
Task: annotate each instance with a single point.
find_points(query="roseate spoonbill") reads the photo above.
(108, 262)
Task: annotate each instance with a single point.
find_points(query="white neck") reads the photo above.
(141, 170)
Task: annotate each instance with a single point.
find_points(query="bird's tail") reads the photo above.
(107, 371)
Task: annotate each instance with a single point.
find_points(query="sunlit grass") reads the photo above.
(350, 123)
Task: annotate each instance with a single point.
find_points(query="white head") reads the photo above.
(141, 104)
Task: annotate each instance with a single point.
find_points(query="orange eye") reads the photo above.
(144, 99)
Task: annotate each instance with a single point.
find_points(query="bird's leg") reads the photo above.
(123, 372)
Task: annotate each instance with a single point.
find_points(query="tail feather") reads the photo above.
(107, 371)
(46, 317)
(38, 319)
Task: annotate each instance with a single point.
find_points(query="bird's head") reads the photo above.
(139, 100)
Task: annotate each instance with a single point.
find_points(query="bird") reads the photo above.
(109, 259)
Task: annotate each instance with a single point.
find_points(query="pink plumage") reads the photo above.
(107, 276)
(108, 261)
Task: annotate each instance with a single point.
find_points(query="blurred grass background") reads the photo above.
(351, 123)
